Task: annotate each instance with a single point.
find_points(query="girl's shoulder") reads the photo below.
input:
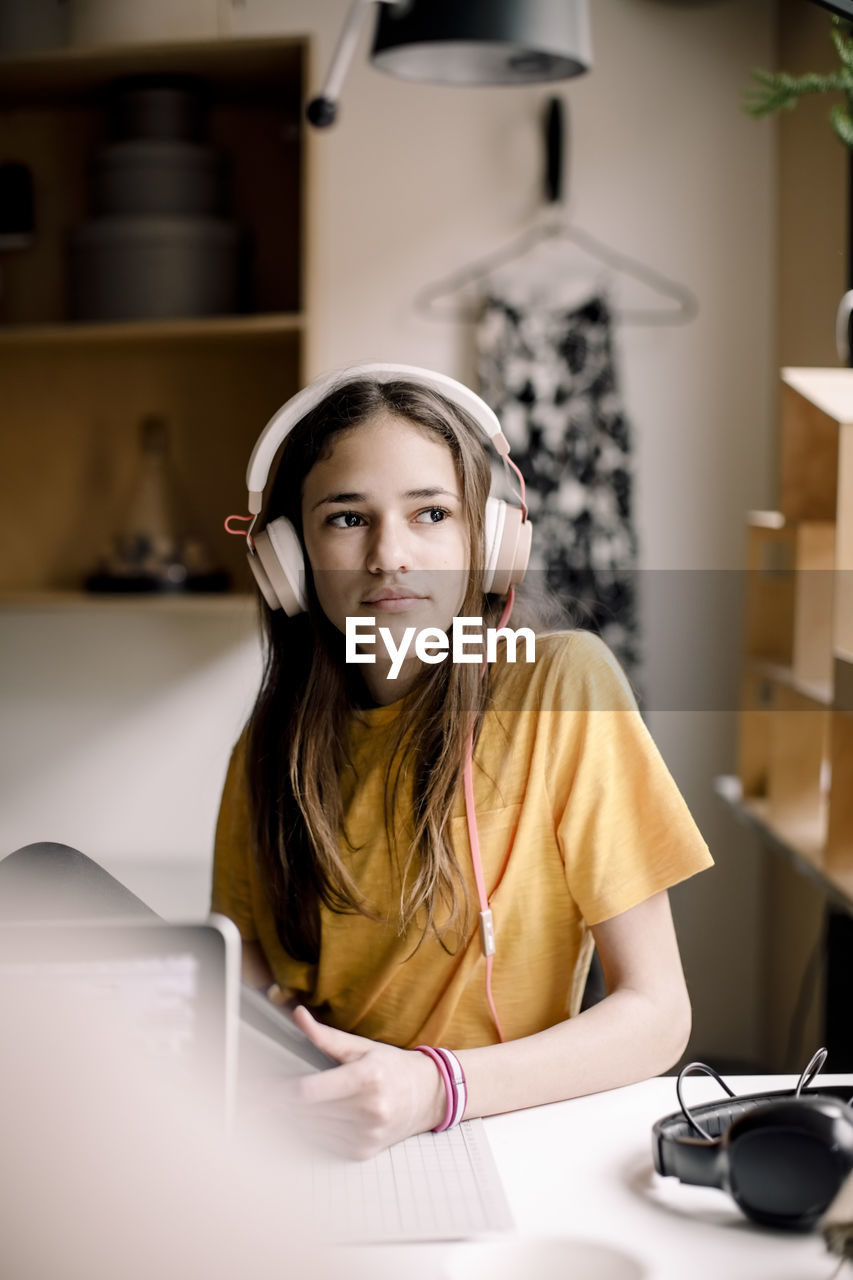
(570, 670)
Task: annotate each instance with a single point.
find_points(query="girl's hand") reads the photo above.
(376, 1097)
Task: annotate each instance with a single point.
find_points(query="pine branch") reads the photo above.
(781, 91)
(842, 123)
(773, 91)
(843, 46)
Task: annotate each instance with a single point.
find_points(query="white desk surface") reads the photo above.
(583, 1169)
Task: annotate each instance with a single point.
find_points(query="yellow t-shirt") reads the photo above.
(578, 819)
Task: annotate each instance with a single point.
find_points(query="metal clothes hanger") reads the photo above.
(440, 301)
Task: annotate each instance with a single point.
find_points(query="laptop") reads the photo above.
(166, 993)
(171, 994)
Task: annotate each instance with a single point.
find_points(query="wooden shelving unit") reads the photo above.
(74, 393)
(795, 747)
(803, 849)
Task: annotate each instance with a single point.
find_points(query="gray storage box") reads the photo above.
(153, 268)
(157, 107)
(139, 177)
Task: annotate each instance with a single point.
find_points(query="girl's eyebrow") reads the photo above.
(340, 497)
(409, 495)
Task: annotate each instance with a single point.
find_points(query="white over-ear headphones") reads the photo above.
(275, 552)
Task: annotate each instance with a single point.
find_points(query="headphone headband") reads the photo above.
(275, 552)
(285, 419)
(674, 1139)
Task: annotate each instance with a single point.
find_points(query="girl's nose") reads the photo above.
(388, 551)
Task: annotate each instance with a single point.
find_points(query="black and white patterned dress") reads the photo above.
(548, 373)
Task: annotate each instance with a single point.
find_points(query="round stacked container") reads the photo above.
(159, 245)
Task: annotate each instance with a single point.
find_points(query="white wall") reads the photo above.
(116, 729)
(413, 182)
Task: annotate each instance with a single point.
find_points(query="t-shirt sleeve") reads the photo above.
(624, 828)
(232, 853)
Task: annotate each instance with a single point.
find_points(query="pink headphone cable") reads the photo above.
(242, 533)
(522, 494)
(487, 933)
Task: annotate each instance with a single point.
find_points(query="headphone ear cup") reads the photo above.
(259, 573)
(508, 539)
(279, 567)
(787, 1160)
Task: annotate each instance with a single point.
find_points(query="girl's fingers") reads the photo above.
(337, 1044)
(339, 1085)
(365, 1103)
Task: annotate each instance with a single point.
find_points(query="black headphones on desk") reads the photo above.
(781, 1156)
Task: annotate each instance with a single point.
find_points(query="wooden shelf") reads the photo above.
(226, 602)
(81, 74)
(56, 112)
(819, 692)
(71, 430)
(801, 843)
(238, 328)
(74, 393)
(790, 595)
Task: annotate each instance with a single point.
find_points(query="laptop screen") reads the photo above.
(167, 994)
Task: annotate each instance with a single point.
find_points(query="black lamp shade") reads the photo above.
(483, 41)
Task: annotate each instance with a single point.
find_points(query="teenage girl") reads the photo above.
(421, 854)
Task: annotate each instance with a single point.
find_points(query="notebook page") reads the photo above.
(434, 1186)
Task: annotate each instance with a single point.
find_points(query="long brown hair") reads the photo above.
(297, 730)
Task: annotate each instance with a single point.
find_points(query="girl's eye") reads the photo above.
(433, 515)
(346, 520)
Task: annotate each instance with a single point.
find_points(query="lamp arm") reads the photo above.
(322, 110)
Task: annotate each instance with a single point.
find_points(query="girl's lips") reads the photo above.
(393, 604)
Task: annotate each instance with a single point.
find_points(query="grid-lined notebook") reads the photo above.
(435, 1186)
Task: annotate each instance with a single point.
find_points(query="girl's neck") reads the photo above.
(382, 690)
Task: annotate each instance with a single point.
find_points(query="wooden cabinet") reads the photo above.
(72, 394)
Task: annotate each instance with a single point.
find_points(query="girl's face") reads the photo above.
(385, 530)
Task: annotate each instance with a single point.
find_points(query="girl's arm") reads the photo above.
(382, 1094)
(638, 1030)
